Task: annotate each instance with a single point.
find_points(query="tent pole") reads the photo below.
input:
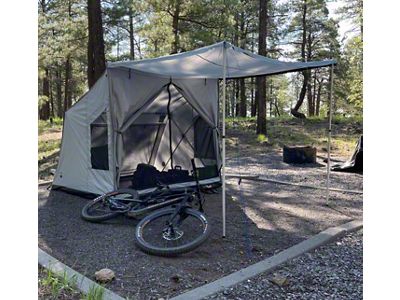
(170, 126)
(223, 140)
(328, 165)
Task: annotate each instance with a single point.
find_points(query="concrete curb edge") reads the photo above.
(271, 263)
(83, 283)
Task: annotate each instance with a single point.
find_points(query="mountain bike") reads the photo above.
(128, 201)
(170, 231)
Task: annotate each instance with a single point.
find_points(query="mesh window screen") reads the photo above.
(203, 140)
(99, 143)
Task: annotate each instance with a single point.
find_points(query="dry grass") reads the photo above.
(49, 141)
(295, 132)
(280, 131)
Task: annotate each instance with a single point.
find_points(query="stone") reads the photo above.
(279, 280)
(104, 275)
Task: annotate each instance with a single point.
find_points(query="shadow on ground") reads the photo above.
(262, 219)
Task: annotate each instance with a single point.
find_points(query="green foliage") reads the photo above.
(354, 57)
(321, 31)
(58, 284)
(44, 125)
(63, 35)
(261, 138)
(95, 293)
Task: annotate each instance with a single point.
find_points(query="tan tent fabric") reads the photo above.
(207, 62)
(117, 124)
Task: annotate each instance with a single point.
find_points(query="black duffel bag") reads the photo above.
(146, 176)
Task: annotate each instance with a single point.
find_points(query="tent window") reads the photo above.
(99, 143)
(203, 140)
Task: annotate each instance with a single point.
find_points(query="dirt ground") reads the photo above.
(262, 219)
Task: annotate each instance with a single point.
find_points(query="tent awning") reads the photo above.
(207, 62)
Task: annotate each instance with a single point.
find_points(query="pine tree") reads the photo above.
(96, 56)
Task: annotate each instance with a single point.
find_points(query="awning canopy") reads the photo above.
(207, 62)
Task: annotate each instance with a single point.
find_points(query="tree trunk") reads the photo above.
(237, 94)
(67, 86)
(314, 96)
(309, 85)
(44, 111)
(52, 114)
(277, 112)
(96, 57)
(295, 111)
(60, 112)
(242, 82)
(261, 85)
(243, 100)
(309, 99)
(156, 46)
(253, 102)
(318, 104)
(131, 36)
(270, 98)
(175, 27)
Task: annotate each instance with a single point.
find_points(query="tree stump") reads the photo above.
(299, 154)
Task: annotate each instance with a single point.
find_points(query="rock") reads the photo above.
(104, 275)
(279, 280)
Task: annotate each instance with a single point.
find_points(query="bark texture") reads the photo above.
(261, 82)
(96, 57)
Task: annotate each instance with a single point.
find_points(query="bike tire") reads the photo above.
(86, 215)
(170, 251)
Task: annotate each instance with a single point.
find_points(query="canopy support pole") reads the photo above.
(223, 141)
(328, 165)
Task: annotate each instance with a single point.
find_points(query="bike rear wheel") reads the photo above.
(189, 229)
(108, 206)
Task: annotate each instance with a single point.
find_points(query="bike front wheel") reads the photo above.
(162, 234)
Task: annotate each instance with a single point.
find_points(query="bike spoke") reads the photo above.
(156, 232)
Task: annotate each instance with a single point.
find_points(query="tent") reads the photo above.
(161, 111)
(355, 163)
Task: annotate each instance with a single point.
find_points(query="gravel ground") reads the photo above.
(262, 219)
(334, 271)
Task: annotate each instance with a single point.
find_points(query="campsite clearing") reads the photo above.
(263, 218)
(345, 133)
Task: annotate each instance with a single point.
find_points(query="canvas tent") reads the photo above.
(162, 111)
